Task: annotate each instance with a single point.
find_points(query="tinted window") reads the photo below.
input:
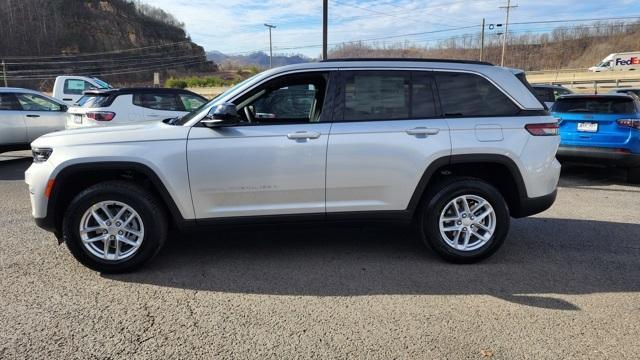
(595, 105)
(33, 102)
(158, 101)
(191, 102)
(544, 94)
(471, 95)
(377, 95)
(76, 87)
(96, 101)
(9, 102)
(291, 99)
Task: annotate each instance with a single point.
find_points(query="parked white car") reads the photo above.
(128, 105)
(26, 115)
(70, 88)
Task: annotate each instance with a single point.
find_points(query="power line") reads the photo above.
(102, 60)
(104, 66)
(139, 70)
(386, 14)
(98, 53)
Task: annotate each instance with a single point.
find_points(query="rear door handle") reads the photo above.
(32, 115)
(303, 135)
(423, 131)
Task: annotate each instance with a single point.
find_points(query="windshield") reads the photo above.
(184, 119)
(595, 105)
(101, 84)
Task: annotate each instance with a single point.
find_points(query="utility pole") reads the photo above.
(325, 21)
(4, 73)
(506, 29)
(482, 41)
(270, 46)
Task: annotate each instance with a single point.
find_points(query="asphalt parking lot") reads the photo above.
(566, 284)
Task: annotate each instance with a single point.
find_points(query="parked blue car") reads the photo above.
(603, 129)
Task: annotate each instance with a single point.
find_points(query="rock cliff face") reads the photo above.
(122, 41)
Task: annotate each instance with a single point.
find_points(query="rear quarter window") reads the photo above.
(471, 95)
(595, 105)
(158, 101)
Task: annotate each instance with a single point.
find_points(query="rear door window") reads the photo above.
(158, 101)
(9, 101)
(471, 95)
(595, 105)
(377, 95)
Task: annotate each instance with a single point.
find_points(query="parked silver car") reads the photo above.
(26, 115)
(456, 147)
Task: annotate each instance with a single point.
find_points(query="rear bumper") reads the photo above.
(598, 155)
(531, 206)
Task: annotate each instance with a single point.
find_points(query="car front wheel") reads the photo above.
(114, 227)
(465, 220)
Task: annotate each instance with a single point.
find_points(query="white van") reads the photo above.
(70, 88)
(619, 62)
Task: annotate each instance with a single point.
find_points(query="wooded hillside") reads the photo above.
(563, 48)
(44, 38)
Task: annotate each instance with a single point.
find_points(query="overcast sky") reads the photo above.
(236, 26)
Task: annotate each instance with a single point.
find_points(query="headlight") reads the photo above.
(41, 154)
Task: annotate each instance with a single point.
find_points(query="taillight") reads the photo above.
(630, 123)
(547, 129)
(101, 115)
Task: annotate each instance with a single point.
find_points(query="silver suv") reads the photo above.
(457, 147)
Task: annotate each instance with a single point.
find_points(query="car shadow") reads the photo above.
(13, 167)
(541, 258)
(591, 176)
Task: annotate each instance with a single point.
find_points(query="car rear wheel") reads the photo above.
(465, 220)
(114, 227)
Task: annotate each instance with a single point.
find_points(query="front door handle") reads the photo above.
(33, 115)
(303, 135)
(67, 99)
(423, 131)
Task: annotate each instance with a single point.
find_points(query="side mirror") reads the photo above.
(224, 114)
(64, 108)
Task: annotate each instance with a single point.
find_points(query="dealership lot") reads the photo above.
(565, 285)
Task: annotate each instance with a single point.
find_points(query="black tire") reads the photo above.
(633, 175)
(149, 209)
(435, 203)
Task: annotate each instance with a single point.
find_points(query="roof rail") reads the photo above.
(457, 61)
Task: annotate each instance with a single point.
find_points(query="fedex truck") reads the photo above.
(619, 62)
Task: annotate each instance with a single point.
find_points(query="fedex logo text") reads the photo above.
(631, 61)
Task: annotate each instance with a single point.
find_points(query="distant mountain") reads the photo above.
(259, 59)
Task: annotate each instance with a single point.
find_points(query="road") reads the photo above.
(566, 284)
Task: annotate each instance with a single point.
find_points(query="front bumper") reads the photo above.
(598, 155)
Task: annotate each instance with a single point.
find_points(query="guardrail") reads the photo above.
(583, 81)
